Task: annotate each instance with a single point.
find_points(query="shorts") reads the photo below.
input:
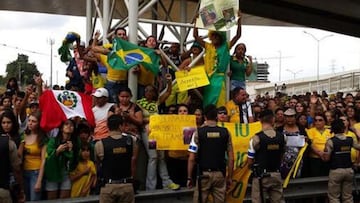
(55, 186)
(236, 83)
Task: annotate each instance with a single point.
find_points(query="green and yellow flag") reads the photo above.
(125, 55)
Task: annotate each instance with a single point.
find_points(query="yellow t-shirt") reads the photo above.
(146, 77)
(80, 183)
(32, 156)
(357, 127)
(318, 140)
(112, 74)
(233, 111)
(107, 46)
(353, 151)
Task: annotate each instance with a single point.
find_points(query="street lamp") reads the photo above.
(280, 65)
(318, 54)
(294, 72)
(51, 41)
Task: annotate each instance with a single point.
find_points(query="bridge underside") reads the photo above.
(340, 16)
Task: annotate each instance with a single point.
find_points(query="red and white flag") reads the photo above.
(59, 105)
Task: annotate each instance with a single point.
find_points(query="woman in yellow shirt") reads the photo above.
(348, 133)
(318, 136)
(32, 150)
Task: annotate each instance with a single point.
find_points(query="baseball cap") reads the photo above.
(289, 112)
(101, 92)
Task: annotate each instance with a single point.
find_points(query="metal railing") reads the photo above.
(300, 188)
(345, 82)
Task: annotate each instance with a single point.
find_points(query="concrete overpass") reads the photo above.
(340, 16)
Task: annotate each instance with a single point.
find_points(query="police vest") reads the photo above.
(340, 156)
(5, 162)
(268, 156)
(116, 164)
(213, 143)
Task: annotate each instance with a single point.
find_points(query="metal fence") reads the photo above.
(345, 82)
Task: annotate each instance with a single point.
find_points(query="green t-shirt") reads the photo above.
(57, 166)
(238, 69)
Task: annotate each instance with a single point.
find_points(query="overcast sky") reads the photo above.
(31, 31)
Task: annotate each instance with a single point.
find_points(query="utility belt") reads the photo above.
(259, 172)
(120, 181)
(214, 170)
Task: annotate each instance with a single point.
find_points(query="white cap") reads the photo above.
(101, 92)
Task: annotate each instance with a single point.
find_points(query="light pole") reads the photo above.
(318, 54)
(294, 72)
(51, 41)
(280, 65)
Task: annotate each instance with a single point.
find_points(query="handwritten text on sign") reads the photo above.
(168, 130)
(192, 79)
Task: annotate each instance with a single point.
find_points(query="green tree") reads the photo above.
(27, 70)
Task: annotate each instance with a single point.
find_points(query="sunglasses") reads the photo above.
(339, 107)
(222, 112)
(319, 120)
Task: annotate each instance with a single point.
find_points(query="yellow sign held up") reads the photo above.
(168, 133)
(192, 79)
(172, 132)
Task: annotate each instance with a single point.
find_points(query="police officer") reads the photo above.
(9, 162)
(265, 152)
(338, 152)
(118, 154)
(210, 143)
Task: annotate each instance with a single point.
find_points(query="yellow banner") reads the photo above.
(218, 15)
(168, 132)
(240, 135)
(171, 132)
(192, 79)
(237, 190)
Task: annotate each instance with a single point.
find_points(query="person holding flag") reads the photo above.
(148, 72)
(115, 77)
(217, 59)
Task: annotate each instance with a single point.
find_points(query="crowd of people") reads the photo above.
(76, 159)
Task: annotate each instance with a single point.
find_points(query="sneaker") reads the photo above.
(174, 186)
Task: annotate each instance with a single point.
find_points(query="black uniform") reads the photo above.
(267, 150)
(211, 146)
(341, 172)
(116, 166)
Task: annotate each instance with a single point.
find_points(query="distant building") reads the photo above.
(260, 72)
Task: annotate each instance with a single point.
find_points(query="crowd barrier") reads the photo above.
(301, 188)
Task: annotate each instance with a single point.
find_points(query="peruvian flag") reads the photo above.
(59, 105)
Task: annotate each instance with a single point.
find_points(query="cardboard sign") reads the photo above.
(192, 79)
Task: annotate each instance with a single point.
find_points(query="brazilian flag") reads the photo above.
(125, 55)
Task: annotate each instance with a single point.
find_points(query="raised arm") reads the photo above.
(164, 96)
(197, 37)
(238, 32)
